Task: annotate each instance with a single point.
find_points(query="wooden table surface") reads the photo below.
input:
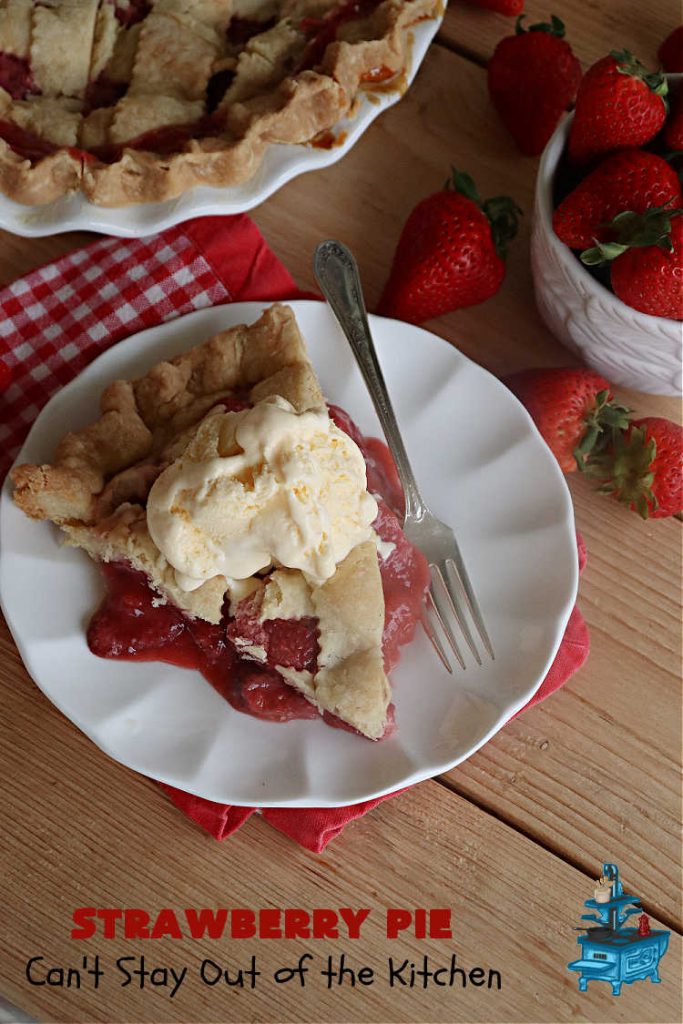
(512, 838)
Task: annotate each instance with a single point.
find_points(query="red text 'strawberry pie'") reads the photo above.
(245, 529)
(136, 101)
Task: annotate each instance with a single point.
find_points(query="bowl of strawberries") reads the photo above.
(607, 238)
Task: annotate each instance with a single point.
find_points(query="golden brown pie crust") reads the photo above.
(295, 110)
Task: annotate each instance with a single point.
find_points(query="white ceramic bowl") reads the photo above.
(629, 348)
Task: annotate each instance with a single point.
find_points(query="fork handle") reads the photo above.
(337, 274)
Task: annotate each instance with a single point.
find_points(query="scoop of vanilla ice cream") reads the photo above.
(261, 486)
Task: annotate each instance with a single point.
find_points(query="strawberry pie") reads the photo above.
(244, 527)
(137, 101)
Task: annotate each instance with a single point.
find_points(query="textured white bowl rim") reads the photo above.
(545, 180)
(468, 705)
(280, 164)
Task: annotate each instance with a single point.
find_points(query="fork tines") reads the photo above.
(449, 598)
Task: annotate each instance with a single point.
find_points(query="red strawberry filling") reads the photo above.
(292, 643)
(26, 144)
(323, 31)
(103, 92)
(241, 30)
(129, 12)
(132, 624)
(15, 76)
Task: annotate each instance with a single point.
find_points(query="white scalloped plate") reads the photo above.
(281, 163)
(483, 468)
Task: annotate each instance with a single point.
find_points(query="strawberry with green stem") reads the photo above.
(646, 257)
(573, 409)
(643, 468)
(619, 103)
(632, 179)
(533, 77)
(451, 252)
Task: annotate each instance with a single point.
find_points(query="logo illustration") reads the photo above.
(610, 952)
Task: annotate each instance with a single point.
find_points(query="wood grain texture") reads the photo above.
(122, 844)
(588, 776)
(594, 27)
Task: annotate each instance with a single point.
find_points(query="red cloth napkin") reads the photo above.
(54, 321)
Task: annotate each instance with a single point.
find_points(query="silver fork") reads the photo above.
(450, 596)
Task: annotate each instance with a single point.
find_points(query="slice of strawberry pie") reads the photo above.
(232, 512)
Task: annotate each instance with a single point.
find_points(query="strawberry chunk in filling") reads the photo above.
(133, 623)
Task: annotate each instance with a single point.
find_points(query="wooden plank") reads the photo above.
(18, 256)
(593, 28)
(80, 830)
(596, 768)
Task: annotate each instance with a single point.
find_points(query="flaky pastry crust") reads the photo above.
(350, 681)
(143, 421)
(260, 108)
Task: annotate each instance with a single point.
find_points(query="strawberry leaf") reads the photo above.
(625, 470)
(502, 212)
(633, 231)
(627, 64)
(603, 423)
(553, 28)
(601, 253)
(460, 181)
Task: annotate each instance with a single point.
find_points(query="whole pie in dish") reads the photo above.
(245, 528)
(136, 101)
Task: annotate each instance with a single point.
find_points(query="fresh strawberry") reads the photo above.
(450, 253)
(671, 51)
(573, 409)
(509, 7)
(632, 179)
(533, 77)
(673, 130)
(644, 467)
(619, 104)
(647, 255)
(5, 377)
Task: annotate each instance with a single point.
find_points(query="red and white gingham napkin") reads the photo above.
(55, 320)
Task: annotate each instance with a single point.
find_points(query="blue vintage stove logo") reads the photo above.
(609, 951)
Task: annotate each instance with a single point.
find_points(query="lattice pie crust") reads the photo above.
(139, 100)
